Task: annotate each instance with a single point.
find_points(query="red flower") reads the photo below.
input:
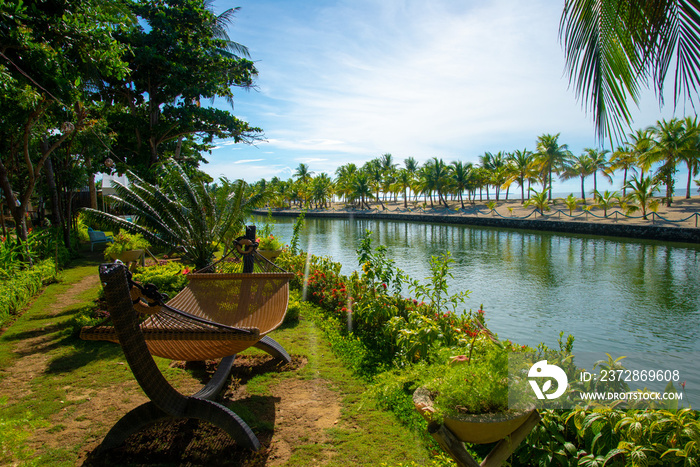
(384, 285)
(186, 270)
(683, 384)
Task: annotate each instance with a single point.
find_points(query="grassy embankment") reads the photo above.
(60, 395)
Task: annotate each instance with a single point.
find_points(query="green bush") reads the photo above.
(169, 278)
(15, 292)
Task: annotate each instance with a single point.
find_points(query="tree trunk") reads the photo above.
(56, 218)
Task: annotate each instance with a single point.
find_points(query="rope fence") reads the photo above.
(558, 213)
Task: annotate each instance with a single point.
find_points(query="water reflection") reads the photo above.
(616, 295)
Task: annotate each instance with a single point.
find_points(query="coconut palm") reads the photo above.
(691, 156)
(571, 203)
(520, 169)
(321, 189)
(640, 143)
(461, 174)
(671, 144)
(540, 200)
(600, 163)
(613, 48)
(625, 159)
(412, 167)
(579, 166)
(182, 214)
(643, 192)
(550, 157)
(362, 188)
(374, 170)
(404, 180)
(605, 200)
(344, 175)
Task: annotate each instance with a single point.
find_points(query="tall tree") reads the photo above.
(550, 157)
(52, 54)
(600, 164)
(178, 60)
(614, 47)
(521, 166)
(579, 166)
(691, 156)
(461, 174)
(671, 145)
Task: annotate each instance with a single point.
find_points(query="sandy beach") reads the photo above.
(682, 213)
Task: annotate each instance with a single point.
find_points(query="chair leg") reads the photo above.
(271, 346)
(148, 413)
(216, 384)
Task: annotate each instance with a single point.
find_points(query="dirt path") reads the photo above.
(34, 350)
(297, 411)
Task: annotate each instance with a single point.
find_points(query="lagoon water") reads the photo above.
(615, 295)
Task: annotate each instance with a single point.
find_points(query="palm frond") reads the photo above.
(614, 47)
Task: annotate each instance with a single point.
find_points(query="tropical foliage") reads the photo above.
(181, 214)
(657, 151)
(614, 47)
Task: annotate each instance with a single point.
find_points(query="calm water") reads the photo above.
(614, 295)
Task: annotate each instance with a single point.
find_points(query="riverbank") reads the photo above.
(678, 223)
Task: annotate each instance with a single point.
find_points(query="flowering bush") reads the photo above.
(268, 243)
(395, 329)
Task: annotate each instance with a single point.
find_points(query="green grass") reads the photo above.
(77, 370)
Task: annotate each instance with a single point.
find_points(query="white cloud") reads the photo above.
(247, 161)
(349, 80)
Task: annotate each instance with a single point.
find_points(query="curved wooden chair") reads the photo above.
(216, 316)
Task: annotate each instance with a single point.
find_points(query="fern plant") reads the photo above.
(182, 214)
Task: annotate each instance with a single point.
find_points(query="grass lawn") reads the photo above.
(60, 395)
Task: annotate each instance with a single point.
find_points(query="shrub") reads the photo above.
(124, 241)
(170, 278)
(16, 292)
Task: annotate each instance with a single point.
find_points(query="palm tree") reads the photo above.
(404, 179)
(412, 168)
(461, 173)
(623, 158)
(641, 143)
(344, 175)
(691, 156)
(643, 192)
(579, 166)
(440, 175)
(550, 157)
(539, 200)
(670, 147)
(600, 163)
(521, 167)
(302, 173)
(571, 203)
(182, 214)
(362, 188)
(321, 189)
(614, 47)
(605, 200)
(375, 173)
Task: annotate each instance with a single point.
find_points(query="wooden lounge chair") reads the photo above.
(216, 316)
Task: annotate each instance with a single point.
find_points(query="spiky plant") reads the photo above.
(181, 214)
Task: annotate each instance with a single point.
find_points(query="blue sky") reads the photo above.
(347, 81)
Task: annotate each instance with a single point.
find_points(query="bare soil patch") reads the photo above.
(34, 348)
(297, 411)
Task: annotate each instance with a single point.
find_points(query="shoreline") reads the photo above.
(675, 224)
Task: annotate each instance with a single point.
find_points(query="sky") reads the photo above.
(349, 80)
